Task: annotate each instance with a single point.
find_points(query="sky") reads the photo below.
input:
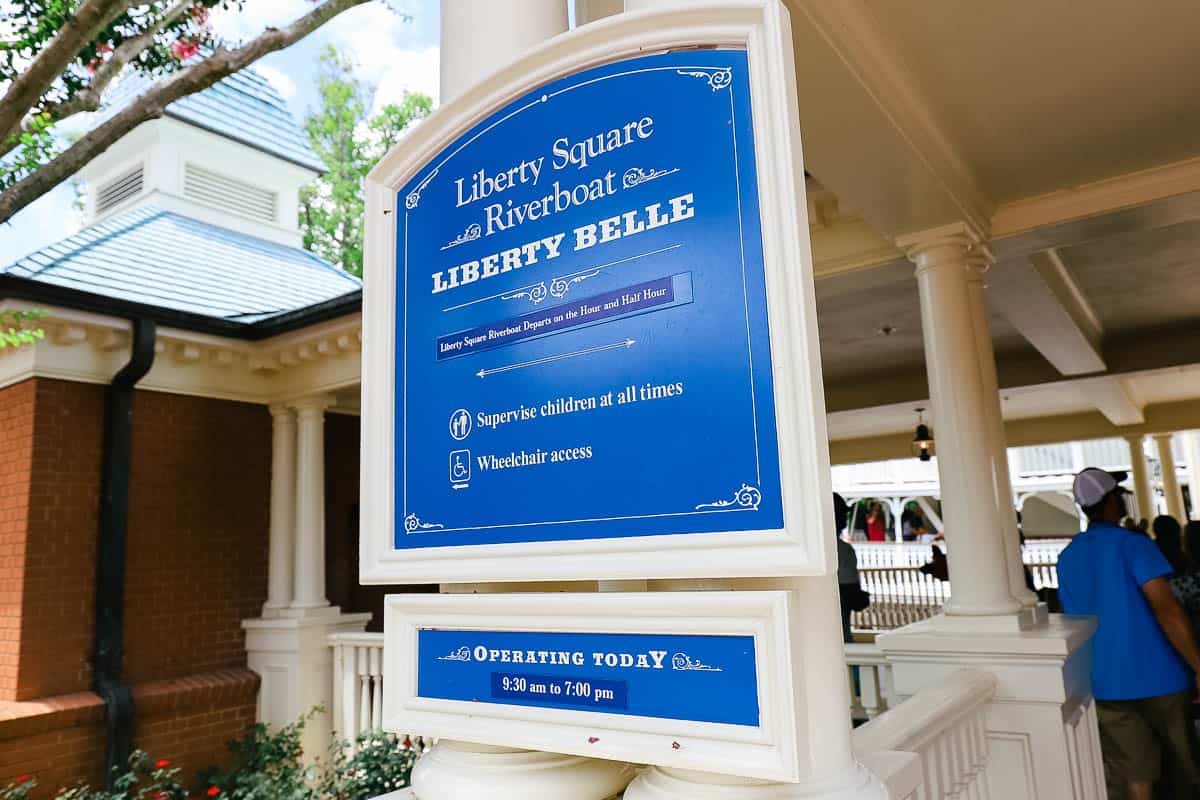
(392, 54)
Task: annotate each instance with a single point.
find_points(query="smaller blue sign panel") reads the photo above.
(696, 678)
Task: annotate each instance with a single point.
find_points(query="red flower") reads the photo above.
(407, 742)
(183, 49)
(159, 795)
(103, 48)
(22, 779)
(162, 763)
(213, 791)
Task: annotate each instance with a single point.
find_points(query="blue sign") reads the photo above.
(582, 337)
(681, 677)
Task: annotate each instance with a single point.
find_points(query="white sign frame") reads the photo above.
(769, 752)
(805, 545)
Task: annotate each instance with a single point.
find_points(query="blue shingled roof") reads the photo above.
(167, 260)
(244, 107)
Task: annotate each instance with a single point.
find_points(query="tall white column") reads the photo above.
(962, 425)
(478, 38)
(1191, 457)
(283, 510)
(309, 554)
(1001, 479)
(1170, 480)
(289, 646)
(591, 10)
(1143, 493)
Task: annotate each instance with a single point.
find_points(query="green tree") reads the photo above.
(57, 58)
(350, 141)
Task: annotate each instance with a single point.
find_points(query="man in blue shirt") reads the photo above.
(1144, 657)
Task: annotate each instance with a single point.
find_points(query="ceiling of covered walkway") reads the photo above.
(1065, 134)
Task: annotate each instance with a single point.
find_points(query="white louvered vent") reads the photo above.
(238, 197)
(118, 190)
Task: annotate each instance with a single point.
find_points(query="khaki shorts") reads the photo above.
(1136, 735)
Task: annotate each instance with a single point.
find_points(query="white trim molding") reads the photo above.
(91, 348)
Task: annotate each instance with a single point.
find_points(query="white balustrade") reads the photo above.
(358, 687)
(892, 554)
(901, 594)
(899, 597)
(870, 676)
(1041, 556)
(944, 726)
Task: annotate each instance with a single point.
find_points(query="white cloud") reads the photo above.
(408, 70)
(237, 25)
(374, 36)
(282, 83)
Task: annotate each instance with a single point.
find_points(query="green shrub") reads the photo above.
(146, 779)
(382, 763)
(267, 764)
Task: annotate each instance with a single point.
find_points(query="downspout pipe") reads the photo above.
(110, 561)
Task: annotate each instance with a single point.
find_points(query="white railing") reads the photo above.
(944, 726)
(870, 676)
(899, 596)
(892, 554)
(357, 684)
(1041, 556)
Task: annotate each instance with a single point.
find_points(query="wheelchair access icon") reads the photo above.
(460, 469)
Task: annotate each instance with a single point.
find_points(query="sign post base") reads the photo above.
(455, 770)
(664, 783)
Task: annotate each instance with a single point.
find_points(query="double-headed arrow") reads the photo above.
(626, 343)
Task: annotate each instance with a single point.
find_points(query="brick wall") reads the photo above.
(196, 566)
(198, 523)
(16, 464)
(60, 580)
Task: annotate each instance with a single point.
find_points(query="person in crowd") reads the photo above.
(850, 589)
(1169, 538)
(912, 523)
(1186, 584)
(938, 567)
(1191, 541)
(1145, 655)
(876, 524)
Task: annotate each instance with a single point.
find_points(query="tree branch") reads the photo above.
(28, 87)
(153, 102)
(90, 98)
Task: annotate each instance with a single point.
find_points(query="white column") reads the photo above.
(1001, 479)
(289, 646)
(309, 564)
(1191, 457)
(478, 38)
(965, 437)
(1170, 480)
(1143, 493)
(591, 10)
(896, 504)
(283, 510)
